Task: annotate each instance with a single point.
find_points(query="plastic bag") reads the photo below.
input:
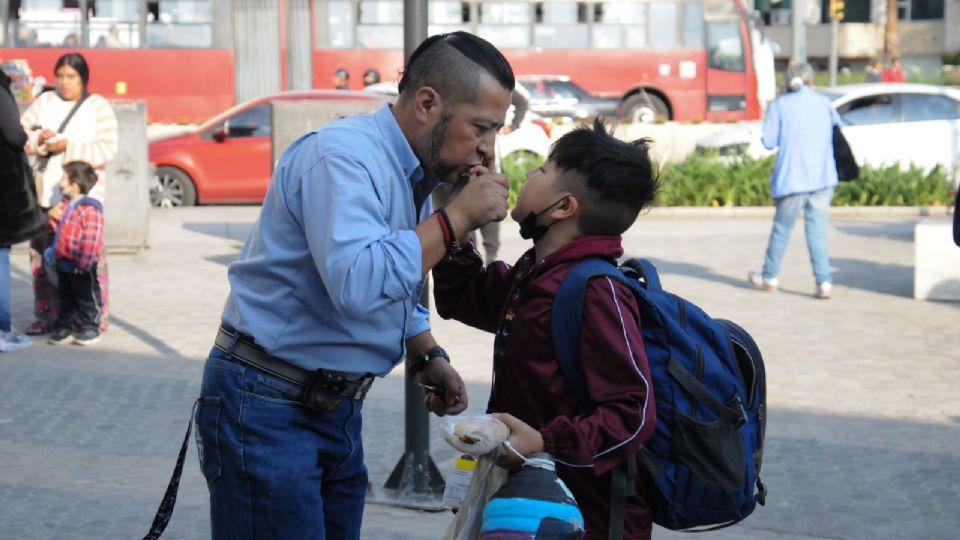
(487, 479)
(476, 435)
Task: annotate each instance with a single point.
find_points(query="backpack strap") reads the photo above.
(566, 321)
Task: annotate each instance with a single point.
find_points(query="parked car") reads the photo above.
(228, 158)
(557, 96)
(884, 123)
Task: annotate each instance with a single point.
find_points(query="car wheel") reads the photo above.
(645, 108)
(172, 187)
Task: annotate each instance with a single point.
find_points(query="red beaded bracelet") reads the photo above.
(453, 245)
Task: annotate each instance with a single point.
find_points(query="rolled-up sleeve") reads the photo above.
(365, 265)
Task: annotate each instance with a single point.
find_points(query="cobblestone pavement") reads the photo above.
(864, 433)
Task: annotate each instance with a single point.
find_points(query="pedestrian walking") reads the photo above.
(894, 73)
(341, 79)
(371, 76)
(324, 297)
(800, 124)
(874, 71)
(20, 217)
(69, 124)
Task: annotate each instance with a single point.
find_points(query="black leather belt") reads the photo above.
(243, 348)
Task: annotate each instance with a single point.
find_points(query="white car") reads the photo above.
(884, 123)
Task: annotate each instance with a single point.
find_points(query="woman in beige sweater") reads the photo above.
(90, 135)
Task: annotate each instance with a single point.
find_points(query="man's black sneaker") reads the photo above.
(86, 337)
(58, 336)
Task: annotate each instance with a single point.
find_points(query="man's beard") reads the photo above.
(437, 168)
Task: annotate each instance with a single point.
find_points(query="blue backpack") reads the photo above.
(709, 386)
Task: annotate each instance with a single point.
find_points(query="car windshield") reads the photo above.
(832, 95)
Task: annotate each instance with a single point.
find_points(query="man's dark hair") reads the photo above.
(612, 179)
(77, 62)
(449, 64)
(81, 174)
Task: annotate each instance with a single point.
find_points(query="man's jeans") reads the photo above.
(816, 210)
(5, 317)
(275, 469)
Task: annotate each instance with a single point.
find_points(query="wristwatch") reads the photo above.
(418, 363)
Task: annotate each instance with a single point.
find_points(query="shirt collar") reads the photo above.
(398, 143)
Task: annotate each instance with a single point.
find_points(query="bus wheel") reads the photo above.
(646, 108)
(172, 187)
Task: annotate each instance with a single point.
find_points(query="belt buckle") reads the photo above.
(365, 385)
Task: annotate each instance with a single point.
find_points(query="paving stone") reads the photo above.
(864, 433)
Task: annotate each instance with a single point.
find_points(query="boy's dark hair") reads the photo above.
(451, 64)
(77, 62)
(81, 174)
(612, 179)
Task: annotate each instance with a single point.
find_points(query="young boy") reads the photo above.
(574, 207)
(78, 245)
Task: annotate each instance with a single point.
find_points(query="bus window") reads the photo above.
(335, 24)
(561, 25)
(448, 16)
(663, 25)
(115, 24)
(725, 47)
(693, 25)
(619, 25)
(381, 24)
(505, 24)
(46, 23)
(179, 23)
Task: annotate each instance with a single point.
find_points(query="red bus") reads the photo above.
(689, 60)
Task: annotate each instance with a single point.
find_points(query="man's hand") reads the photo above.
(523, 439)
(443, 387)
(478, 199)
(55, 213)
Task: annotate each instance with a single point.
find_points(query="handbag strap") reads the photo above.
(42, 162)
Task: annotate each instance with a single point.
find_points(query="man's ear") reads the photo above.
(427, 104)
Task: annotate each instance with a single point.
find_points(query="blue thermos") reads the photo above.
(533, 504)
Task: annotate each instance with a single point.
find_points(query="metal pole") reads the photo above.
(5, 39)
(415, 481)
(798, 19)
(834, 26)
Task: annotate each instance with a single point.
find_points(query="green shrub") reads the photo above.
(515, 166)
(703, 180)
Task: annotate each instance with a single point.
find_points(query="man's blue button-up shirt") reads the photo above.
(330, 276)
(801, 125)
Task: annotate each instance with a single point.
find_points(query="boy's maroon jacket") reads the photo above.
(586, 445)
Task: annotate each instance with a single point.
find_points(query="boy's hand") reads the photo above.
(479, 199)
(523, 439)
(440, 375)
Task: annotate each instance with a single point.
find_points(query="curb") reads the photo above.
(752, 212)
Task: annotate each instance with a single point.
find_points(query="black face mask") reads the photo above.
(528, 225)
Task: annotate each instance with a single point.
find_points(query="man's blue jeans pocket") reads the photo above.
(207, 429)
(275, 468)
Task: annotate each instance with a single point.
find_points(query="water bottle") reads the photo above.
(534, 504)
